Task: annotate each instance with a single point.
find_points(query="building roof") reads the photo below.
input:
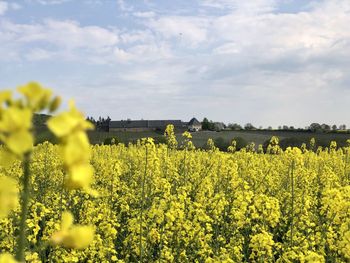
(194, 121)
(163, 123)
(144, 124)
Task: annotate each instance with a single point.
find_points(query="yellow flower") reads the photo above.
(170, 136)
(19, 142)
(261, 245)
(79, 177)
(15, 119)
(73, 236)
(15, 125)
(79, 237)
(76, 149)
(7, 258)
(187, 135)
(8, 195)
(313, 257)
(5, 96)
(68, 122)
(37, 97)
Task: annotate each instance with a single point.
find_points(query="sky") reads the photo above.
(266, 62)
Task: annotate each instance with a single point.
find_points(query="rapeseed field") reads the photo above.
(76, 202)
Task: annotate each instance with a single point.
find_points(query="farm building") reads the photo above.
(194, 125)
(153, 125)
(145, 125)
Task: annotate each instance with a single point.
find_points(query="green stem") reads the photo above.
(24, 208)
(61, 196)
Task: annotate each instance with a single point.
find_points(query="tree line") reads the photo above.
(210, 125)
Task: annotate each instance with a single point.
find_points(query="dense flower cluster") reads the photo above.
(167, 205)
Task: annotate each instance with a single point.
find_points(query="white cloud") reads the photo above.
(39, 54)
(228, 48)
(6, 6)
(247, 7)
(70, 34)
(130, 37)
(15, 6)
(124, 6)
(144, 14)
(191, 30)
(67, 37)
(3, 7)
(51, 2)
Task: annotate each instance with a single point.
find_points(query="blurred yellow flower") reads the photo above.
(76, 149)
(7, 258)
(79, 177)
(5, 96)
(67, 122)
(73, 236)
(36, 96)
(14, 119)
(19, 142)
(15, 125)
(70, 128)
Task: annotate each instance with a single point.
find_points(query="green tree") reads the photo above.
(205, 124)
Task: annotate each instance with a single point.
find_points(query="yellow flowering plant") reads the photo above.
(16, 133)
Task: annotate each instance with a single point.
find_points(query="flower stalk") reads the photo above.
(25, 198)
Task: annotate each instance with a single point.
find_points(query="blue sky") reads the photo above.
(268, 62)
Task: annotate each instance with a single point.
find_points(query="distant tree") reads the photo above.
(249, 127)
(235, 127)
(102, 124)
(292, 128)
(205, 124)
(269, 128)
(315, 127)
(342, 127)
(334, 127)
(211, 126)
(280, 127)
(91, 119)
(285, 127)
(325, 127)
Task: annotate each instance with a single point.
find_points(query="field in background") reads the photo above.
(295, 138)
(287, 138)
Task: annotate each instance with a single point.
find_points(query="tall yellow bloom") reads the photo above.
(70, 128)
(37, 97)
(73, 236)
(16, 116)
(15, 125)
(68, 122)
